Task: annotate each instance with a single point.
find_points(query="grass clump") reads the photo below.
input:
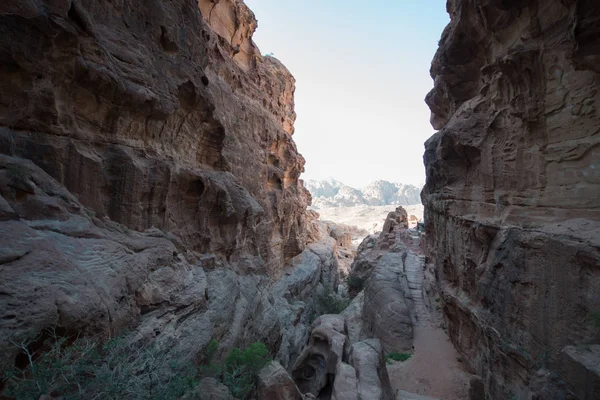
(397, 357)
(85, 369)
(75, 368)
(240, 368)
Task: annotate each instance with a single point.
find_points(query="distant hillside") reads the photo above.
(333, 193)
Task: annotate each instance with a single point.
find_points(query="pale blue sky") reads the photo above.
(362, 72)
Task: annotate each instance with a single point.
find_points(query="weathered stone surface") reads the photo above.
(397, 219)
(315, 369)
(321, 230)
(209, 389)
(353, 315)
(274, 383)
(167, 198)
(64, 268)
(580, 368)
(368, 360)
(163, 115)
(387, 307)
(404, 395)
(512, 199)
(345, 386)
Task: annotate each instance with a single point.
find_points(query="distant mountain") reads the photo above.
(333, 193)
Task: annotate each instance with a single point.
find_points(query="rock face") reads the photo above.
(149, 180)
(274, 383)
(65, 268)
(162, 116)
(512, 199)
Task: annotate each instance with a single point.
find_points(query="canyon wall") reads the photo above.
(512, 199)
(158, 115)
(149, 180)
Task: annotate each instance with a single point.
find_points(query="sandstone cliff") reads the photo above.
(158, 115)
(149, 180)
(512, 199)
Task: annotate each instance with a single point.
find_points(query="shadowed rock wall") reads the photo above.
(158, 115)
(149, 180)
(512, 199)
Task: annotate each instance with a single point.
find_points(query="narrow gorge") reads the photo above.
(155, 240)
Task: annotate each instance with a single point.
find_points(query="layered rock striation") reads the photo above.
(512, 199)
(158, 115)
(149, 181)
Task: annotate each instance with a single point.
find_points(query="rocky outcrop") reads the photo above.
(65, 268)
(149, 181)
(162, 115)
(387, 311)
(274, 383)
(315, 369)
(342, 235)
(331, 367)
(512, 205)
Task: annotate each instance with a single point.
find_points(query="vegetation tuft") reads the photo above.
(397, 357)
(85, 369)
(240, 369)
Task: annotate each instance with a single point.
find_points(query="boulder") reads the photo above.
(209, 389)
(368, 360)
(274, 383)
(316, 367)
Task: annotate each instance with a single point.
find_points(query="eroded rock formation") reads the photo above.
(387, 308)
(512, 199)
(66, 269)
(149, 180)
(158, 115)
(332, 368)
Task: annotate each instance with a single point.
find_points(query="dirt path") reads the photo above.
(434, 369)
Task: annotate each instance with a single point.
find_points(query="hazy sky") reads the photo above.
(362, 72)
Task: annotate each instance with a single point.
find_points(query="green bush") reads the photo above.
(82, 369)
(398, 356)
(355, 284)
(240, 369)
(330, 303)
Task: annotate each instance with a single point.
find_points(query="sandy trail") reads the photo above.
(434, 369)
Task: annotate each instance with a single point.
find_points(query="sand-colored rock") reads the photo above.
(512, 199)
(387, 307)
